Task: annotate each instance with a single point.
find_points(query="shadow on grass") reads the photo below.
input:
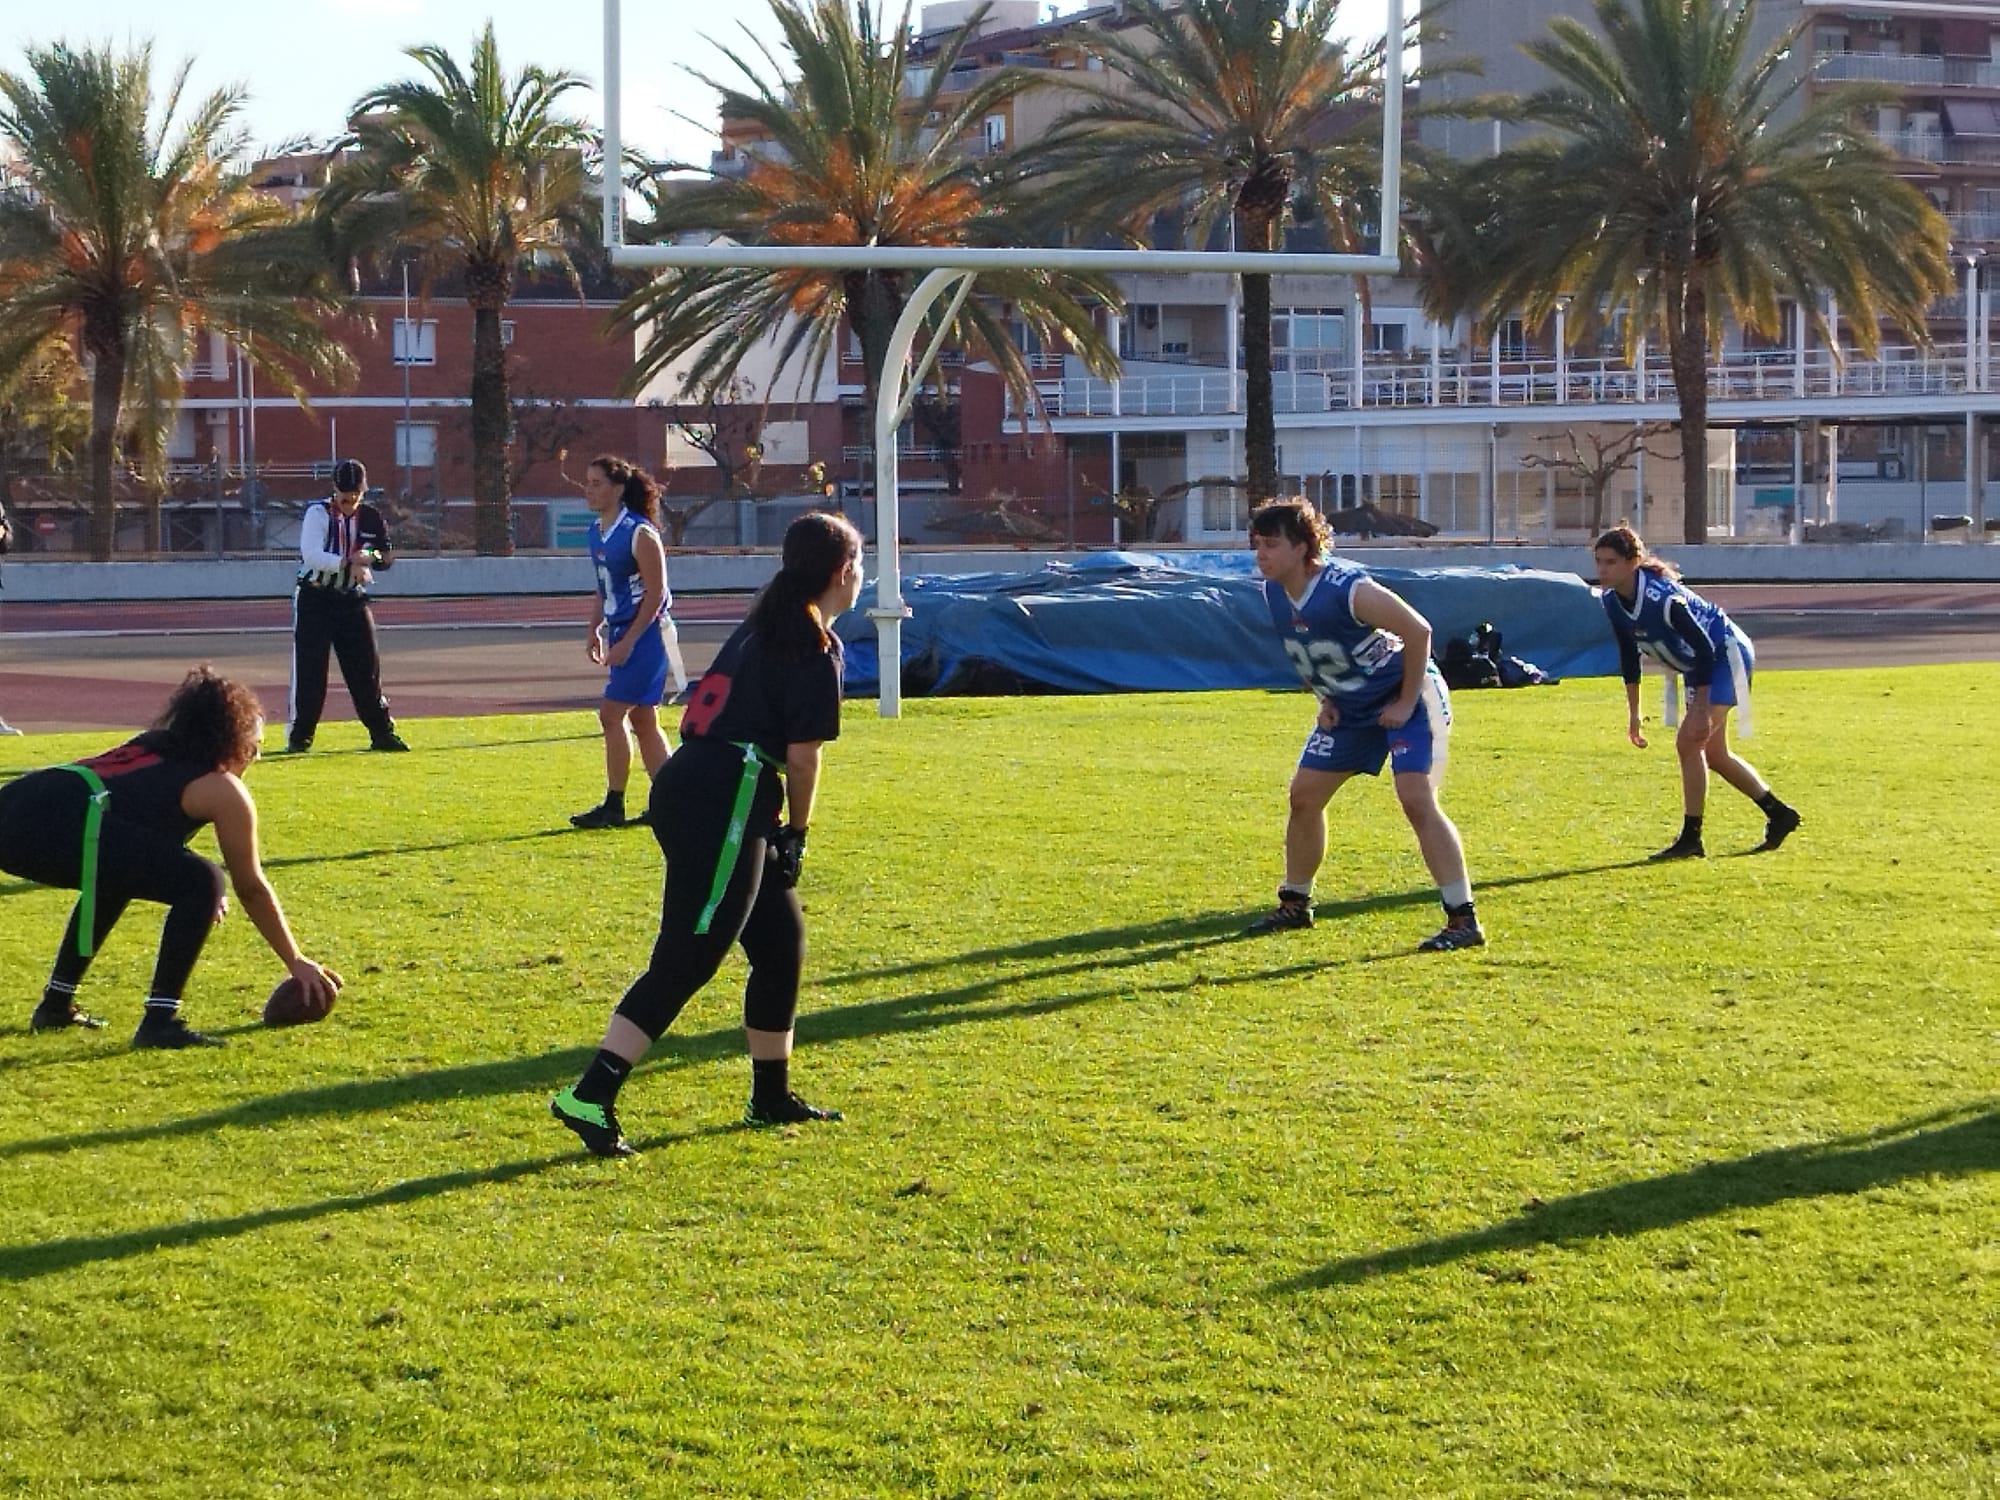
(894, 1015)
(353, 855)
(1951, 1143)
(1214, 926)
(25, 1262)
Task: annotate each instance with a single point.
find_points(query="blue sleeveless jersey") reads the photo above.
(619, 585)
(1647, 622)
(1356, 667)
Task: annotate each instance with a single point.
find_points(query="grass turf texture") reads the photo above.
(1685, 1186)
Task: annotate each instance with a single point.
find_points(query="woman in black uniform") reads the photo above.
(115, 828)
(750, 745)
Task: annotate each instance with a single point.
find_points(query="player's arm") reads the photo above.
(223, 800)
(1628, 666)
(1700, 673)
(313, 551)
(651, 559)
(1374, 605)
(385, 554)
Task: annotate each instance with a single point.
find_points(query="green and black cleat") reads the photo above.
(596, 1125)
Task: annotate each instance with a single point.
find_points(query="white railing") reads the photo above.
(1976, 226)
(1936, 146)
(1921, 70)
(1765, 374)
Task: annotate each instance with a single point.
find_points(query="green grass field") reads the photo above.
(1689, 1185)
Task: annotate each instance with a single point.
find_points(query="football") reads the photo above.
(288, 1005)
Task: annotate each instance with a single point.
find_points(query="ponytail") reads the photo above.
(785, 615)
(636, 490)
(1626, 543)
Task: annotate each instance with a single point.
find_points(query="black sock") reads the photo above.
(1770, 804)
(770, 1079)
(603, 1078)
(1454, 913)
(1294, 893)
(615, 801)
(1690, 831)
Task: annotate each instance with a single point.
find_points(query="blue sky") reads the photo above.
(306, 61)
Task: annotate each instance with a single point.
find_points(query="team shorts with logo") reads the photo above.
(1418, 746)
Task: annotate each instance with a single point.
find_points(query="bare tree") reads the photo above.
(544, 431)
(1596, 458)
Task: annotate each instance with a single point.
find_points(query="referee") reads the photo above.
(341, 543)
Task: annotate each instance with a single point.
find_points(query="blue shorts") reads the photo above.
(1722, 686)
(643, 676)
(1418, 746)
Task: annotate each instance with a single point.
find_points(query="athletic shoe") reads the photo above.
(1780, 826)
(790, 1110)
(6, 728)
(388, 742)
(1283, 917)
(170, 1032)
(1461, 930)
(298, 747)
(54, 1015)
(596, 1125)
(600, 816)
(1681, 848)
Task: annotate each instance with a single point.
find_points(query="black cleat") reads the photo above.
(298, 747)
(1461, 930)
(790, 1110)
(601, 816)
(1283, 917)
(390, 742)
(170, 1033)
(1680, 848)
(1778, 827)
(596, 1125)
(55, 1015)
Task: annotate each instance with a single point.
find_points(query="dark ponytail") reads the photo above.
(784, 617)
(636, 490)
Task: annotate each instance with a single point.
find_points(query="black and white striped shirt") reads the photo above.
(327, 538)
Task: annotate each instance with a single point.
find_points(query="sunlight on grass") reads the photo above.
(1689, 1185)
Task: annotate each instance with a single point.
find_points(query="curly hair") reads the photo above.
(636, 490)
(1295, 520)
(1626, 543)
(210, 720)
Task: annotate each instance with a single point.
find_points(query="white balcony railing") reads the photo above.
(1922, 70)
(1766, 374)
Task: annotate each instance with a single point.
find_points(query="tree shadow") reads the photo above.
(1950, 1142)
(1217, 926)
(25, 1262)
(351, 856)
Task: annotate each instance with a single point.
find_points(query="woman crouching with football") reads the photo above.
(114, 828)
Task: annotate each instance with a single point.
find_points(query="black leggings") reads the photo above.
(322, 620)
(689, 809)
(41, 839)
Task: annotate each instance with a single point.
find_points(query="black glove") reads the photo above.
(788, 851)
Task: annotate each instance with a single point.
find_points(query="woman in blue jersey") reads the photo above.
(750, 750)
(1651, 610)
(626, 633)
(1366, 655)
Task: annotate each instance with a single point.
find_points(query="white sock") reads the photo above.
(1457, 894)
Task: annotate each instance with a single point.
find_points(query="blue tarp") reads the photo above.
(1136, 622)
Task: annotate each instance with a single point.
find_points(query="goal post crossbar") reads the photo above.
(949, 271)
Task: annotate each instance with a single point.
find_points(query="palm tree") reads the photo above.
(1682, 181)
(1248, 108)
(478, 176)
(851, 162)
(139, 232)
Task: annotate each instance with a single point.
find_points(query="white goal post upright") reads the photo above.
(950, 271)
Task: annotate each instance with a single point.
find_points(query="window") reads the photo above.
(1513, 340)
(416, 445)
(414, 341)
(506, 331)
(1388, 338)
(994, 132)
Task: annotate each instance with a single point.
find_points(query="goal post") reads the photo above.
(949, 270)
